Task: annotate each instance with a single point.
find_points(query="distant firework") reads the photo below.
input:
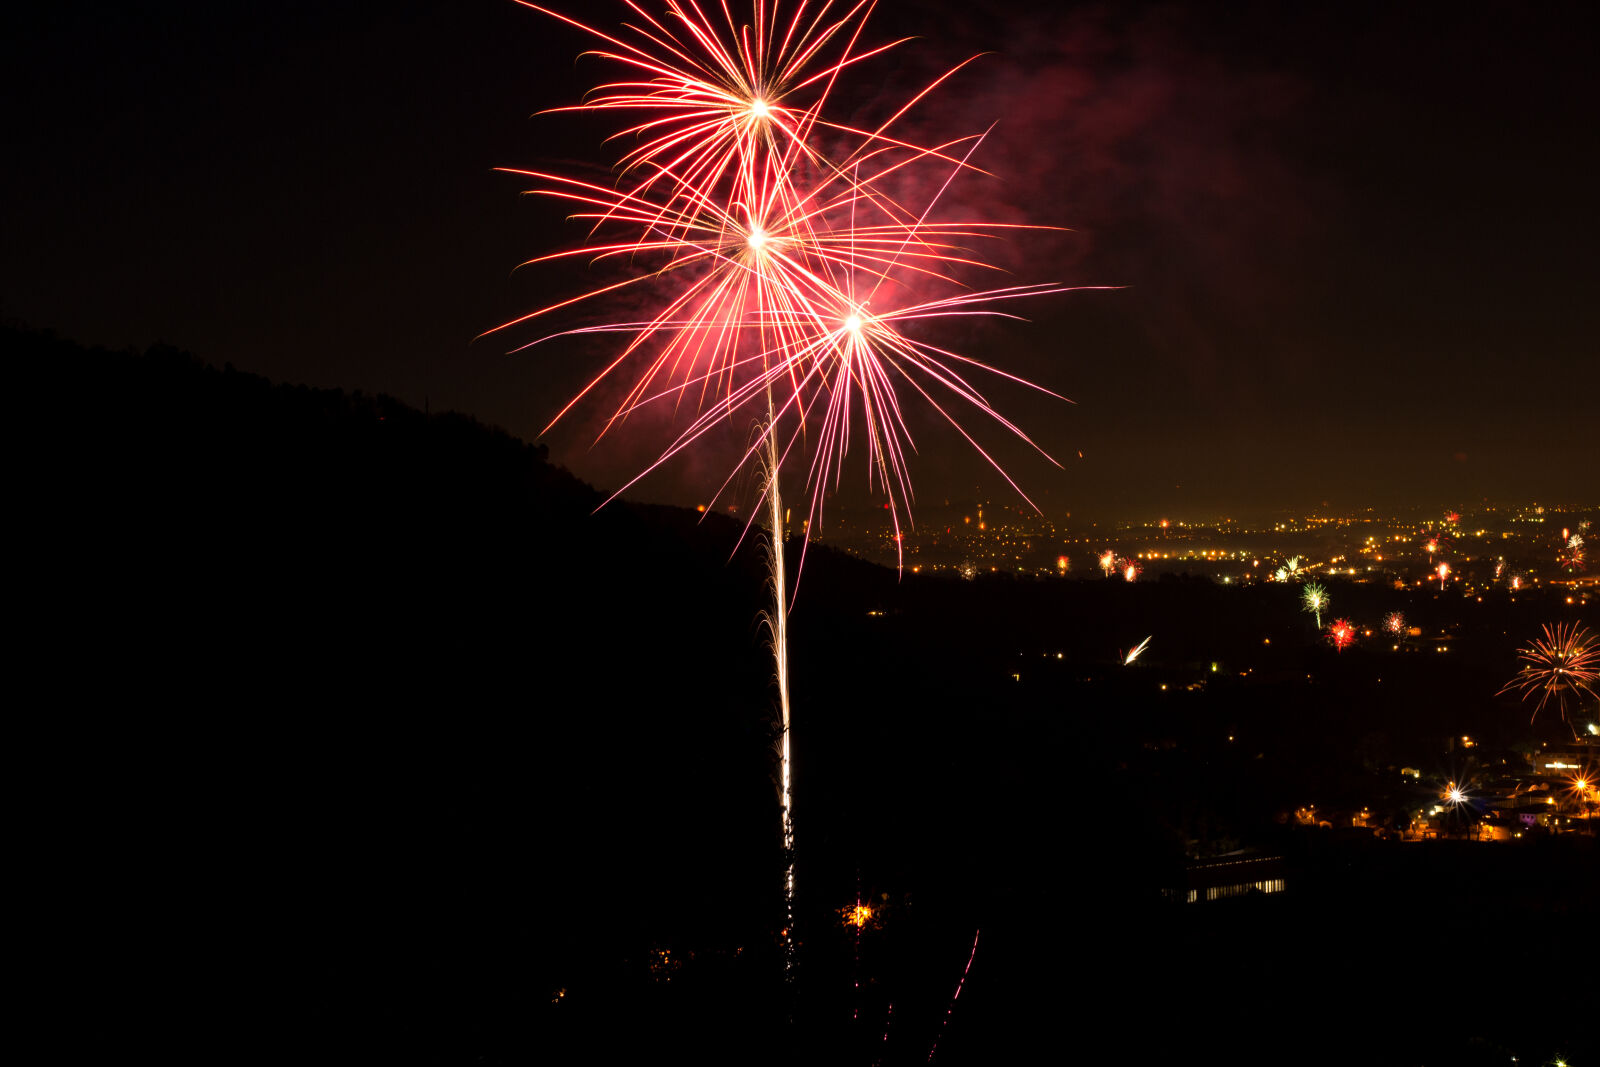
(1571, 559)
(1453, 517)
(1342, 634)
(1444, 572)
(1135, 652)
(1563, 665)
(1395, 623)
(1290, 570)
(1314, 599)
(1130, 569)
(1108, 562)
(1063, 564)
(1499, 568)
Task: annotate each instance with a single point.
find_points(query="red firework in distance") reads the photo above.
(1342, 634)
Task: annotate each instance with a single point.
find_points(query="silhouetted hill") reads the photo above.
(377, 680)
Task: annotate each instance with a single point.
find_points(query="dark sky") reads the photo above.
(1357, 240)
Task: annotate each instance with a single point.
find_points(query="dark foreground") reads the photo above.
(364, 741)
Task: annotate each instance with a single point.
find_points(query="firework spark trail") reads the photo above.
(961, 984)
(1562, 665)
(858, 920)
(778, 624)
(888, 1020)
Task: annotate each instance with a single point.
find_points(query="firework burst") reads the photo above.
(1108, 563)
(789, 268)
(1130, 568)
(1342, 633)
(1394, 623)
(1314, 599)
(1564, 665)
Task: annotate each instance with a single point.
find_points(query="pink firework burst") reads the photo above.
(784, 259)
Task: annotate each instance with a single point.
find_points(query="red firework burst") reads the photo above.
(1342, 634)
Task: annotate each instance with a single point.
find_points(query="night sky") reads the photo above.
(1356, 240)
